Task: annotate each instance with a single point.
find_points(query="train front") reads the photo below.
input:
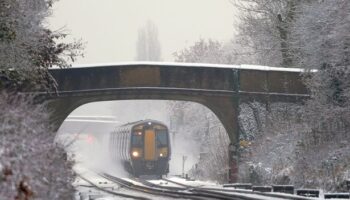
(150, 148)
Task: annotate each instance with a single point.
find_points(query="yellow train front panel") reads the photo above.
(150, 145)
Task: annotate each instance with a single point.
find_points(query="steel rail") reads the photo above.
(275, 195)
(112, 192)
(202, 192)
(152, 190)
(192, 193)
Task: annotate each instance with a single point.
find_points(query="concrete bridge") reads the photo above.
(219, 87)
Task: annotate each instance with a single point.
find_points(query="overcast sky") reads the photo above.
(109, 27)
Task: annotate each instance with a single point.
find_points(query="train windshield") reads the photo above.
(137, 139)
(162, 138)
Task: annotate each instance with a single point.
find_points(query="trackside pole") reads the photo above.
(233, 163)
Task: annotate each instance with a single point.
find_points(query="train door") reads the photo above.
(150, 144)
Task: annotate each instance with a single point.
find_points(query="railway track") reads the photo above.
(183, 192)
(147, 188)
(111, 191)
(271, 195)
(136, 188)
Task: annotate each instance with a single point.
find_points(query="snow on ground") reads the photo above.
(164, 183)
(84, 188)
(193, 183)
(85, 191)
(242, 192)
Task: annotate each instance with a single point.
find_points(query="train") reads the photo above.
(143, 147)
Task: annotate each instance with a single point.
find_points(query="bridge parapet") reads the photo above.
(249, 81)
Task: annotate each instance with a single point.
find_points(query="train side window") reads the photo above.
(111, 144)
(125, 143)
(119, 144)
(162, 138)
(123, 146)
(127, 140)
(115, 145)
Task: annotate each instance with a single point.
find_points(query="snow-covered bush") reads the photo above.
(32, 166)
(269, 157)
(289, 151)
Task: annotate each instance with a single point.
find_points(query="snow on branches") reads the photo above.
(31, 164)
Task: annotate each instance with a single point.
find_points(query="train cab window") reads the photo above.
(137, 139)
(162, 138)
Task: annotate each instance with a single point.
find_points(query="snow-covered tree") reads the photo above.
(27, 46)
(321, 34)
(322, 41)
(32, 166)
(209, 51)
(265, 29)
(309, 34)
(212, 51)
(148, 46)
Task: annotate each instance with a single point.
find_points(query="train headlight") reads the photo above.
(163, 152)
(135, 154)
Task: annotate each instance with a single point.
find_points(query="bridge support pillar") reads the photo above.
(234, 145)
(227, 110)
(233, 163)
(60, 109)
